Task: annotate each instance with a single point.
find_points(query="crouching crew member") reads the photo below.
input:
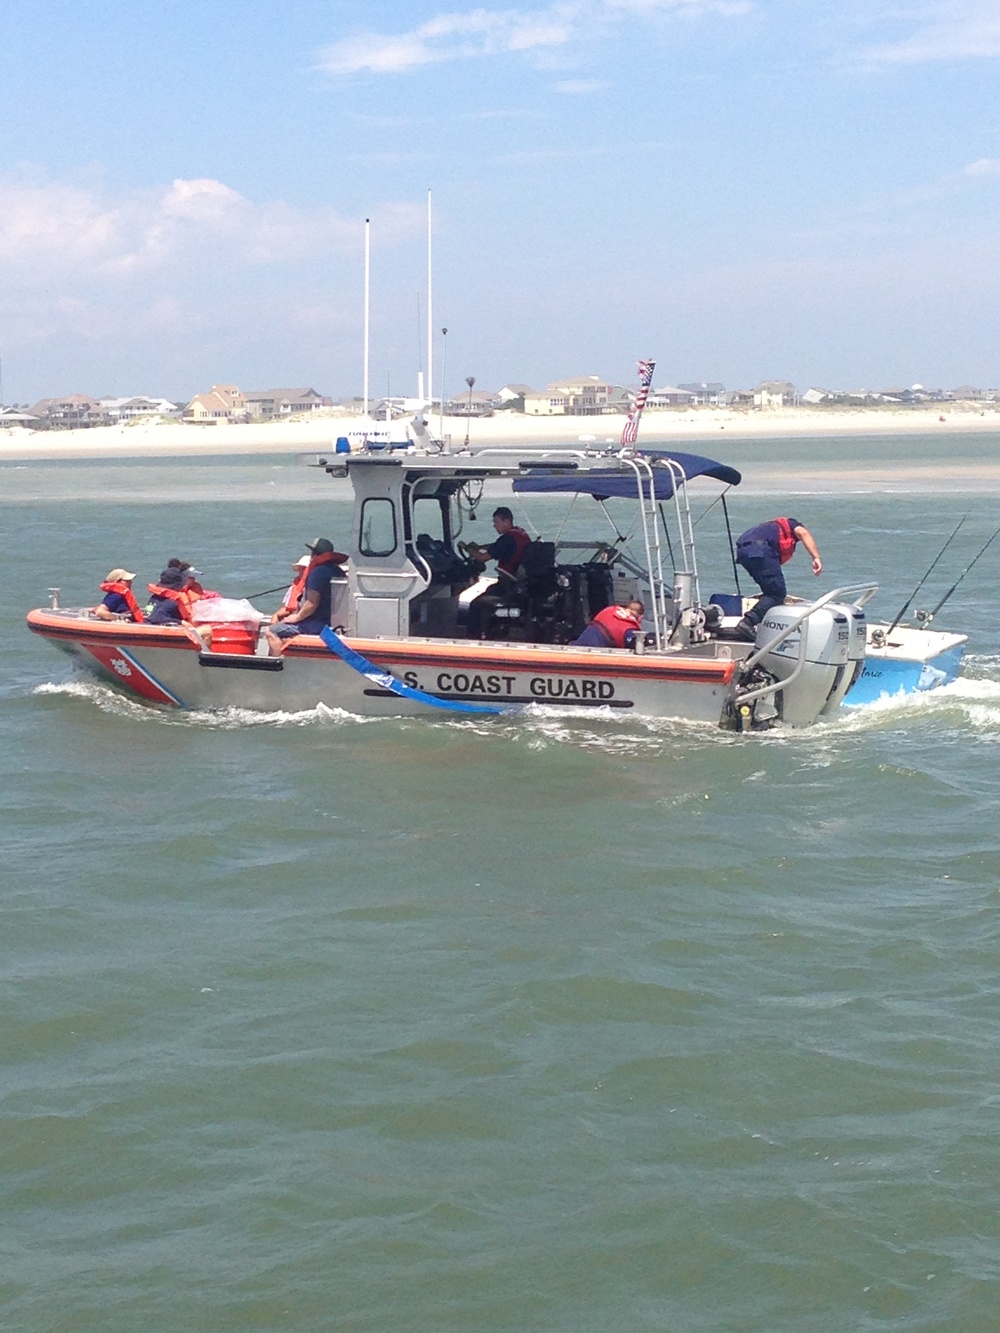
(762, 551)
(308, 601)
(610, 626)
(119, 600)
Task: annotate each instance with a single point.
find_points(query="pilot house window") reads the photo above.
(378, 528)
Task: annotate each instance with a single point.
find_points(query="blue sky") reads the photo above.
(740, 189)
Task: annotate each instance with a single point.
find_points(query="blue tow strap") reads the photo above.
(386, 681)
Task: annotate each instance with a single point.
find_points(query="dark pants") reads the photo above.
(764, 567)
(479, 616)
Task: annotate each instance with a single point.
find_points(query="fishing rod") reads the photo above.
(250, 596)
(929, 615)
(906, 605)
(732, 550)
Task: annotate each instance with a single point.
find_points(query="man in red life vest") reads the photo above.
(762, 551)
(610, 626)
(507, 551)
(119, 600)
(307, 605)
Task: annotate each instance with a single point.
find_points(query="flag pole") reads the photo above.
(630, 431)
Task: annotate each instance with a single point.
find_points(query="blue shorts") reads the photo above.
(285, 631)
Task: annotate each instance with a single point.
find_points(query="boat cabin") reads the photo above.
(412, 574)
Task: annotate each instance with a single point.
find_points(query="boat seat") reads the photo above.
(541, 604)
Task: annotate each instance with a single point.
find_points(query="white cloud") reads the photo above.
(952, 30)
(984, 166)
(55, 227)
(489, 32)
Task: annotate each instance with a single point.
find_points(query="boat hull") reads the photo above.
(911, 662)
(165, 666)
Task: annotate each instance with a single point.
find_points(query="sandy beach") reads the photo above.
(318, 432)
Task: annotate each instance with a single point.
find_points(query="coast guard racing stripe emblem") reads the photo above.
(127, 670)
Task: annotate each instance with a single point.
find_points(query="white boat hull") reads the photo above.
(907, 661)
(164, 666)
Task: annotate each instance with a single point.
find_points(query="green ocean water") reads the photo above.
(313, 1022)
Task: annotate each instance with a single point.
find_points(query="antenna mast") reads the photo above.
(368, 260)
(430, 308)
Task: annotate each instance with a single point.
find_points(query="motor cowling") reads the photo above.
(829, 641)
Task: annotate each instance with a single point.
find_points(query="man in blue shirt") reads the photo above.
(310, 611)
(762, 550)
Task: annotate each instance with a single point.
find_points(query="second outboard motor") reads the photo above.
(855, 654)
(825, 641)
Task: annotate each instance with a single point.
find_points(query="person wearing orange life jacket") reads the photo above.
(308, 602)
(762, 550)
(609, 627)
(507, 551)
(119, 601)
(171, 601)
(294, 593)
(193, 587)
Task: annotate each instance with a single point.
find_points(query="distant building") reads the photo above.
(770, 394)
(547, 404)
(669, 396)
(73, 412)
(223, 402)
(129, 409)
(707, 393)
(472, 403)
(512, 393)
(226, 402)
(276, 403)
(585, 395)
(813, 396)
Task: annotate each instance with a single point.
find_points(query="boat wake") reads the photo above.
(970, 703)
(231, 719)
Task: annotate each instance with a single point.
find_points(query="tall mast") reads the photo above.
(368, 260)
(430, 308)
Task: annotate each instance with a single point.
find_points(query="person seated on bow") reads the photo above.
(308, 602)
(171, 601)
(507, 551)
(119, 600)
(609, 627)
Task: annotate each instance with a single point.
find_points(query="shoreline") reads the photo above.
(318, 434)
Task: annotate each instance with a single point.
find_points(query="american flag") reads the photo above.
(631, 430)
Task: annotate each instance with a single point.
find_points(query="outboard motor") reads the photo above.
(855, 654)
(825, 639)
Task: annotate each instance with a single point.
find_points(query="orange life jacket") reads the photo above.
(124, 591)
(521, 537)
(787, 540)
(184, 598)
(614, 622)
(294, 594)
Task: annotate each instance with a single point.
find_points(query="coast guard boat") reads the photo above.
(398, 644)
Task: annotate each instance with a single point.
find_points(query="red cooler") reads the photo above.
(238, 637)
